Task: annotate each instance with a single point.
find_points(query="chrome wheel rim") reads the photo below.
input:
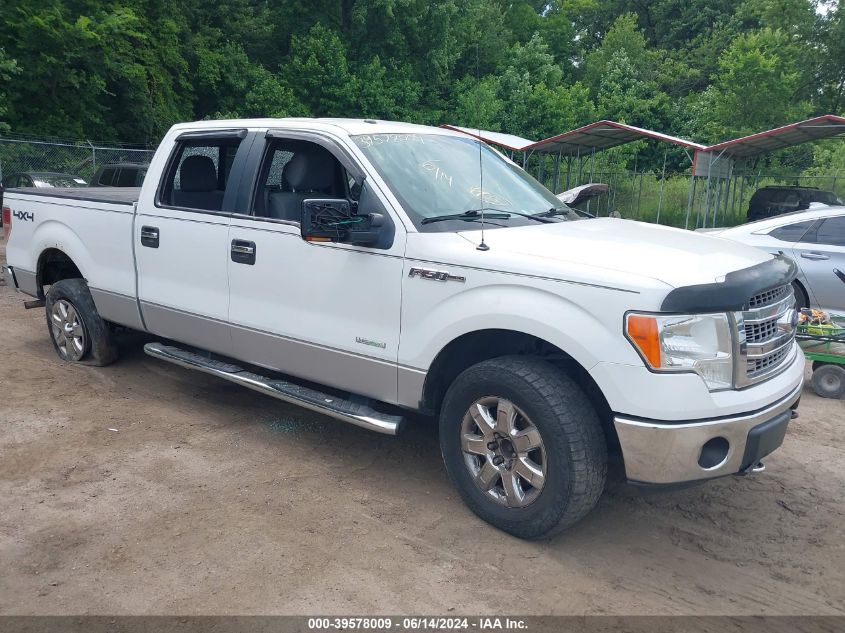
(67, 330)
(503, 452)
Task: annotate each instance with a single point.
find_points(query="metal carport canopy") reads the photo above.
(818, 128)
(507, 141)
(603, 135)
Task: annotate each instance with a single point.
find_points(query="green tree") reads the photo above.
(755, 89)
(623, 36)
(477, 104)
(623, 75)
(523, 19)
(535, 101)
(559, 32)
(318, 72)
(624, 95)
(8, 69)
(831, 72)
(704, 68)
(89, 65)
(267, 96)
(380, 95)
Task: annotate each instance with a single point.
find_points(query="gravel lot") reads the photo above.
(146, 488)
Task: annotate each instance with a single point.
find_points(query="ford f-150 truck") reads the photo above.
(367, 269)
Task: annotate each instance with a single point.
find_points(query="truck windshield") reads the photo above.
(437, 176)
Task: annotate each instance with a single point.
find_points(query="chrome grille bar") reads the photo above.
(768, 297)
(765, 335)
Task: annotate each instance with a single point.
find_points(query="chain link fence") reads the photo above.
(78, 158)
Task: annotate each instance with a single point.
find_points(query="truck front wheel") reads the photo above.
(78, 332)
(523, 445)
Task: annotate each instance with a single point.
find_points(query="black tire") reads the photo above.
(829, 381)
(98, 347)
(575, 451)
(801, 300)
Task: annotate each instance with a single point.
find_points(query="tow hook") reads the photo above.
(759, 467)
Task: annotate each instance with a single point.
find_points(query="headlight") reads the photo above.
(699, 343)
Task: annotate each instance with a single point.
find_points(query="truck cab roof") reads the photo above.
(349, 126)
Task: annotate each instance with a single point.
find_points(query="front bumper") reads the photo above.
(660, 453)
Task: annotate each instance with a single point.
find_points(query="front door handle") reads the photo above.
(149, 236)
(243, 252)
(815, 256)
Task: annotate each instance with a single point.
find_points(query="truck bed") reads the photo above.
(111, 195)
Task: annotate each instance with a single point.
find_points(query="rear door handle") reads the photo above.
(815, 256)
(243, 252)
(149, 236)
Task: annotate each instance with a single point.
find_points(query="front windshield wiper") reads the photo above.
(564, 210)
(472, 214)
(475, 214)
(537, 217)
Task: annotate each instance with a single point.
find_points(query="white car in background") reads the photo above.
(815, 239)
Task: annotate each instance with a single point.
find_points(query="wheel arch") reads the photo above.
(803, 287)
(54, 265)
(474, 347)
(62, 254)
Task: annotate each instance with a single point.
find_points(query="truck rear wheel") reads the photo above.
(78, 332)
(523, 445)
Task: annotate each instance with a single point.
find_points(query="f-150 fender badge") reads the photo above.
(26, 216)
(434, 275)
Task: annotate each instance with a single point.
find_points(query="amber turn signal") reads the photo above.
(642, 331)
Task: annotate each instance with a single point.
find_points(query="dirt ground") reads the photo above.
(146, 488)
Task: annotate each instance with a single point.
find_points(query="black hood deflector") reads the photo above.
(733, 293)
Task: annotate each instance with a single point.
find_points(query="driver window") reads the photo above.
(293, 171)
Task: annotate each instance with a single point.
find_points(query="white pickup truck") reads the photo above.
(367, 269)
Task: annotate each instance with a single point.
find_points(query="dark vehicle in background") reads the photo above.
(42, 179)
(120, 175)
(774, 200)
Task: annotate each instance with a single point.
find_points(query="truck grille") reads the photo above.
(761, 332)
(766, 335)
(765, 363)
(769, 297)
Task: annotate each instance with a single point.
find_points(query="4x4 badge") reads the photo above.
(434, 275)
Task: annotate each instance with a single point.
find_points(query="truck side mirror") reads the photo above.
(338, 220)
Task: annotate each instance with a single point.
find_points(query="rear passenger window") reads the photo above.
(792, 232)
(293, 171)
(125, 178)
(106, 178)
(198, 174)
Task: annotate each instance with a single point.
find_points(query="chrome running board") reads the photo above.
(352, 410)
